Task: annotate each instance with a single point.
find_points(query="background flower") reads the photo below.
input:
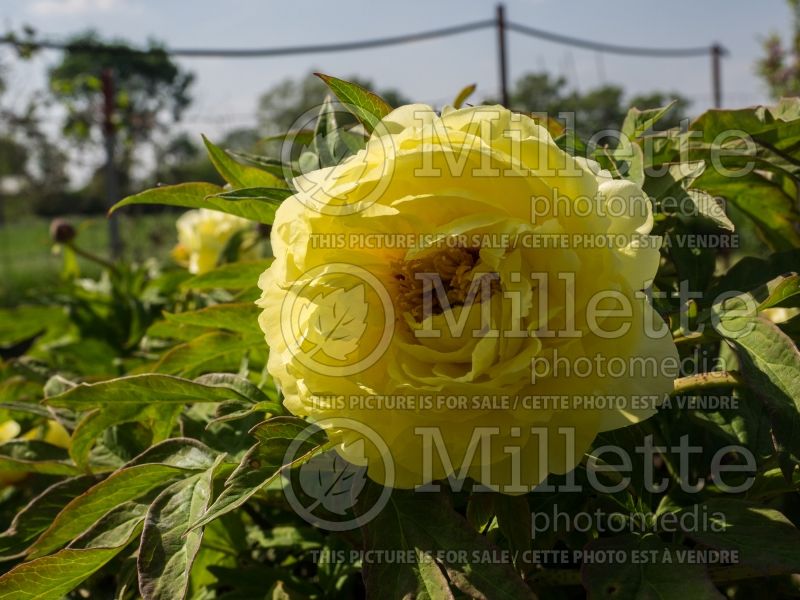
(203, 235)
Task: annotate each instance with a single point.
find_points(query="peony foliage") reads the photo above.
(256, 420)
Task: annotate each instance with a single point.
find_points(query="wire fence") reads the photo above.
(29, 44)
(714, 50)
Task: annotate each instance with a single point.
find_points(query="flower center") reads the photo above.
(448, 277)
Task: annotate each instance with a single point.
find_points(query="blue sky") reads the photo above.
(226, 91)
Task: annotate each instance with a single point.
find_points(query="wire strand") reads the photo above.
(363, 44)
(611, 48)
(260, 52)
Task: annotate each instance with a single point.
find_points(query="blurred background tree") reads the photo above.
(150, 94)
(780, 67)
(598, 109)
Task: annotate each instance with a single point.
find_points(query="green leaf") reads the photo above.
(168, 548)
(465, 93)
(780, 290)
(669, 579)
(263, 463)
(764, 538)
(234, 411)
(37, 515)
(706, 206)
(327, 145)
(52, 577)
(637, 122)
(367, 107)
(34, 456)
(159, 417)
(694, 265)
(766, 142)
(113, 528)
(240, 317)
(514, 521)
(270, 165)
(426, 524)
(140, 389)
(240, 385)
(771, 367)
(751, 272)
(24, 322)
(213, 351)
(480, 510)
(267, 195)
(769, 207)
(176, 457)
(237, 174)
(205, 195)
(235, 276)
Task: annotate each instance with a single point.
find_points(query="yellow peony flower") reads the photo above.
(470, 293)
(203, 235)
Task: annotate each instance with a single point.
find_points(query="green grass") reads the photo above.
(30, 268)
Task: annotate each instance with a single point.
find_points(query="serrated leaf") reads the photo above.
(367, 107)
(140, 389)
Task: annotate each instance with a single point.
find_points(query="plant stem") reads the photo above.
(703, 381)
(695, 338)
(92, 257)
